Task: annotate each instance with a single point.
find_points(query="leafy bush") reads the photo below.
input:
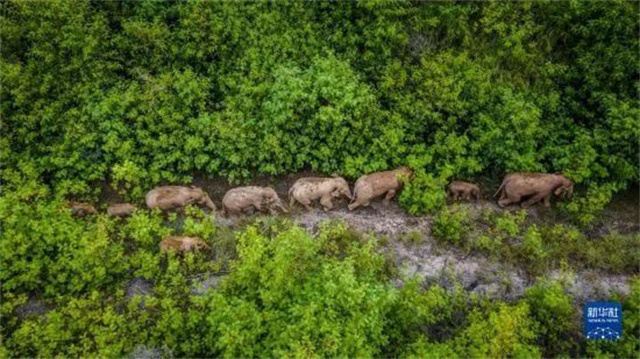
(557, 319)
(135, 94)
(533, 250)
(138, 94)
(451, 224)
(506, 331)
(628, 346)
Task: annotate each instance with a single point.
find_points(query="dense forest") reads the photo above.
(127, 95)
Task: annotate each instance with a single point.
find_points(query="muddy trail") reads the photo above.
(433, 262)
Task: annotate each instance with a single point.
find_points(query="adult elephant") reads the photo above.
(532, 188)
(309, 189)
(239, 199)
(170, 197)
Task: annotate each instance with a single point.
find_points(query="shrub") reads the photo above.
(451, 225)
(533, 250)
(556, 317)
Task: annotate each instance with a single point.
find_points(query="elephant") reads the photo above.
(121, 209)
(82, 209)
(308, 189)
(534, 187)
(169, 197)
(182, 244)
(463, 190)
(239, 199)
(376, 184)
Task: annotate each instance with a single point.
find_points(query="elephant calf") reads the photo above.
(237, 200)
(121, 209)
(182, 244)
(532, 188)
(82, 209)
(169, 197)
(373, 185)
(309, 189)
(463, 190)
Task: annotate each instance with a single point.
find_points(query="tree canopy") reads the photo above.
(136, 93)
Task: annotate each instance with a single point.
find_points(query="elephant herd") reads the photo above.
(523, 188)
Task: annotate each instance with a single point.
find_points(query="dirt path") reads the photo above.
(433, 262)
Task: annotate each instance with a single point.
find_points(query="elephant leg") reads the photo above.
(258, 206)
(306, 203)
(535, 198)
(292, 201)
(389, 196)
(547, 200)
(326, 202)
(233, 212)
(453, 194)
(505, 201)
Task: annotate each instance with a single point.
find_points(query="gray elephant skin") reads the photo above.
(239, 199)
(463, 190)
(308, 189)
(376, 184)
(530, 188)
(170, 197)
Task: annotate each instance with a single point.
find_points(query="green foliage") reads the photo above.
(628, 346)
(282, 297)
(423, 194)
(142, 93)
(45, 249)
(451, 224)
(556, 316)
(614, 252)
(134, 94)
(506, 331)
(281, 291)
(532, 249)
(510, 237)
(413, 237)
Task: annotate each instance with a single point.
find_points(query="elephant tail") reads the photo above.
(500, 188)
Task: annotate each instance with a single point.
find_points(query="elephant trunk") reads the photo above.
(570, 192)
(209, 203)
(280, 206)
(349, 196)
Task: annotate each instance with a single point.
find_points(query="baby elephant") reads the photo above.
(308, 189)
(121, 209)
(374, 185)
(239, 199)
(82, 209)
(463, 190)
(169, 197)
(182, 244)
